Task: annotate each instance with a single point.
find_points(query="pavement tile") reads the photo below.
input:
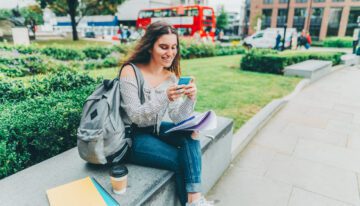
(255, 158)
(318, 134)
(311, 176)
(339, 157)
(301, 197)
(238, 187)
(282, 143)
(354, 142)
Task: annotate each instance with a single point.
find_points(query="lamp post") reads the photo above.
(285, 25)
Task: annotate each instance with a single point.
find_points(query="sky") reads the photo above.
(229, 5)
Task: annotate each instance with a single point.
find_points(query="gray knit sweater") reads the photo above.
(155, 105)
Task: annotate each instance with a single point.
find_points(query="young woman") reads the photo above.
(157, 56)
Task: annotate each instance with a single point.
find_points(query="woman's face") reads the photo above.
(164, 50)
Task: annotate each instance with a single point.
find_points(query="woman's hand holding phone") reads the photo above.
(191, 90)
(175, 91)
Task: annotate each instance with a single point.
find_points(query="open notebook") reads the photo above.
(201, 122)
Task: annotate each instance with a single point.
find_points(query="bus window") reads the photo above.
(194, 12)
(166, 13)
(145, 14)
(207, 12)
(157, 13)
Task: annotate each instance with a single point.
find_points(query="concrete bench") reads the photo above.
(146, 186)
(311, 69)
(350, 59)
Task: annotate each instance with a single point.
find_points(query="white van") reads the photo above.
(267, 38)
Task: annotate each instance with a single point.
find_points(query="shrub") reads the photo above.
(63, 53)
(270, 61)
(340, 42)
(106, 63)
(40, 128)
(29, 64)
(15, 91)
(96, 52)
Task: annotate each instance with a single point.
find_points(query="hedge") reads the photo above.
(106, 63)
(340, 42)
(29, 64)
(36, 129)
(275, 62)
(193, 49)
(15, 91)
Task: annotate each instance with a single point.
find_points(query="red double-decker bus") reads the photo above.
(187, 19)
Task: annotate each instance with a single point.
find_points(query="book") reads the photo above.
(109, 200)
(201, 122)
(77, 193)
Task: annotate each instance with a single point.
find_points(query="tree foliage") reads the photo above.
(76, 8)
(222, 20)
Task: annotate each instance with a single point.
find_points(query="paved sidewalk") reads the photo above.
(307, 155)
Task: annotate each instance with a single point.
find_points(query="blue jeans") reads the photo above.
(175, 151)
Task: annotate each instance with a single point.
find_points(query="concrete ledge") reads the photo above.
(350, 59)
(146, 186)
(311, 69)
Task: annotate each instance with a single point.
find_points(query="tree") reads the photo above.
(222, 20)
(33, 16)
(80, 8)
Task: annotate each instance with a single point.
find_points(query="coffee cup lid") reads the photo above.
(118, 171)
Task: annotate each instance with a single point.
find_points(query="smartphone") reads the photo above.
(184, 80)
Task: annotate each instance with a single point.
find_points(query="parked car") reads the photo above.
(89, 34)
(267, 38)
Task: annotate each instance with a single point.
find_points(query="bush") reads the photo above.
(63, 53)
(15, 91)
(37, 129)
(96, 52)
(340, 42)
(106, 63)
(270, 61)
(29, 64)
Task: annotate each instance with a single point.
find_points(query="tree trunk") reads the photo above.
(72, 4)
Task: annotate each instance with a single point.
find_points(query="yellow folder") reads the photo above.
(77, 193)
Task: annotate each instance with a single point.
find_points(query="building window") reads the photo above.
(315, 22)
(337, 0)
(267, 1)
(266, 18)
(334, 21)
(319, 1)
(352, 22)
(301, 1)
(280, 22)
(299, 18)
(283, 1)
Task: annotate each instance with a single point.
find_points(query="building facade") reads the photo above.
(322, 18)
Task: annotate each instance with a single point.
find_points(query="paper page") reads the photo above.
(204, 121)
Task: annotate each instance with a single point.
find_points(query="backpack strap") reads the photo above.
(139, 80)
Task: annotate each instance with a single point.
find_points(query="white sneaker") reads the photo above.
(201, 202)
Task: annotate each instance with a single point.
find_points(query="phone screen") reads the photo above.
(184, 80)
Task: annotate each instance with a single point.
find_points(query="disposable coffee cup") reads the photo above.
(118, 177)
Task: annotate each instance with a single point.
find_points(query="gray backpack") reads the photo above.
(102, 132)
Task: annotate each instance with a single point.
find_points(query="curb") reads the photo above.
(244, 135)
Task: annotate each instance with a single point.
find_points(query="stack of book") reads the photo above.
(83, 192)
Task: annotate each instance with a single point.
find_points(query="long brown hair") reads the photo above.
(153, 32)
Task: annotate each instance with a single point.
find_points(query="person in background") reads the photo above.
(355, 39)
(308, 40)
(277, 41)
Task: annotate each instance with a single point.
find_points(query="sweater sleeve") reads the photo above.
(140, 114)
(181, 109)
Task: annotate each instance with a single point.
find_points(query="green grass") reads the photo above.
(71, 44)
(227, 90)
(224, 88)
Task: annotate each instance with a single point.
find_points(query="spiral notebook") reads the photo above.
(201, 122)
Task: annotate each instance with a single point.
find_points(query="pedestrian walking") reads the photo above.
(355, 39)
(277, 41)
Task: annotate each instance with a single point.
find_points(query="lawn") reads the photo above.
(70, 43)
(223, 87)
